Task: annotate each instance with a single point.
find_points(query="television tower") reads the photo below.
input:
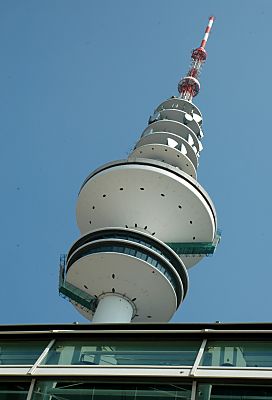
(144, 220)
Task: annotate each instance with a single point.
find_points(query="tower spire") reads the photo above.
(189, 86)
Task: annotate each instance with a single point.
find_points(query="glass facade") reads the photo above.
(241, 353)
(14, 352)
(135, 361)
(69, 390)
(60, 389)
(89, 352)
(14, 390)
(233, 392)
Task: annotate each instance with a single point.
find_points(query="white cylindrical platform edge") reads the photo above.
(113, 308)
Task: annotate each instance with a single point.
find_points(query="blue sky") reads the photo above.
(78, 82)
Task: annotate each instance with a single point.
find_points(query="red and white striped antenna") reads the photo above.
(189, 86)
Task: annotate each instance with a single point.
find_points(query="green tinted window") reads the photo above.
(230, 392)
(238, 354)
(20, 353)
(84, 390)
(14, 390)
(122, 353)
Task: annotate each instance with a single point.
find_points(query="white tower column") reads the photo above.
(113, 308)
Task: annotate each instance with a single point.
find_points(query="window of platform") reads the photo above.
(83, 390)
(109, 352)
(24, 352)
(14, 390)
(240, 353)
(230, 392)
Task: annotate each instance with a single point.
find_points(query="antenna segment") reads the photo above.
(189, 86)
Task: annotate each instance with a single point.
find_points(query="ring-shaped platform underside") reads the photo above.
(180, 104)
(147, 195)
(162, 138)
(177, 129)
(152, 250)
(108, 261)
(180, 116)
(166, 154)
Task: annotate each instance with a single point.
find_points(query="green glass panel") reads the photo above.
(14, 390)
(85, 390)
(25, 352)
(193, 248)
(233, 392)
(238, 354)
(122, 353)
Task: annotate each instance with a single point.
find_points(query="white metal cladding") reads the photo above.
(139, 195)
(176, 122)
(166, 154)
(134, 278)
(176, 274)
(133, 237)
(176, 128)
(182, 117)
(180, 104)
(162, 138)
(137, 371)
(129, 371)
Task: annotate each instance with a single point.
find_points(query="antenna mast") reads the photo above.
(189, 86)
